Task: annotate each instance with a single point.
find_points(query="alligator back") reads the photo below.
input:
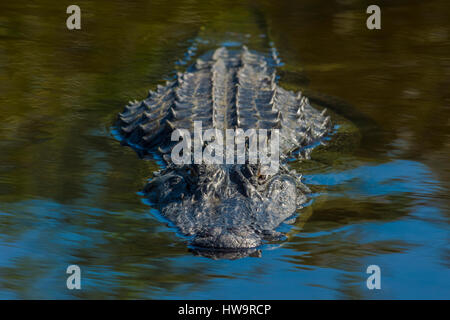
(225, 89)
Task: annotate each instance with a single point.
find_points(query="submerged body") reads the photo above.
(225, 207)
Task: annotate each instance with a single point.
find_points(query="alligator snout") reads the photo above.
(227, 238)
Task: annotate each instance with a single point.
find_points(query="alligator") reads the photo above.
(234, 208)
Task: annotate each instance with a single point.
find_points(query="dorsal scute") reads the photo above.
(146, 119)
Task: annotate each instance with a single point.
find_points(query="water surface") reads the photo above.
(69, 191)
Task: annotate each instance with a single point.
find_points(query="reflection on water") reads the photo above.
(68, 190)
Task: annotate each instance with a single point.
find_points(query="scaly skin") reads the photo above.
(228, 209)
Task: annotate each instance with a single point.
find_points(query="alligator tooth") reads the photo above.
(299, 95)
(323, 112)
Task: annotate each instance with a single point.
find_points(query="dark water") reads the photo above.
(68, 190)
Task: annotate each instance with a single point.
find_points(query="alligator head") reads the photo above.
(225, 207)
